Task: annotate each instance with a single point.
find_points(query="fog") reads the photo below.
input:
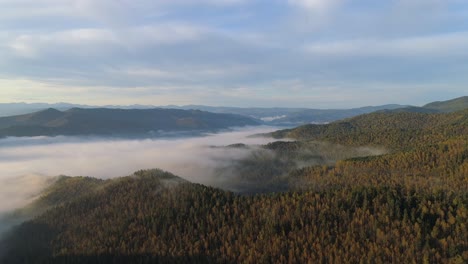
(27, 165)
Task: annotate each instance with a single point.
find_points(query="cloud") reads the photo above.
(15, 192)
(29, 165)
(105, 11)
(432, 46)
(26, 164)
(21, 46)
(82, 40)
(227, 52)
(59, 90)
(315, 5)
(98, 41)
(205, 73)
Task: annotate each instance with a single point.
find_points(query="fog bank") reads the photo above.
(26, 164)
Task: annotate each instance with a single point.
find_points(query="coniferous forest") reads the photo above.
(407, 205)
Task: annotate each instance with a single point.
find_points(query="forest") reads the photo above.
(406, 204)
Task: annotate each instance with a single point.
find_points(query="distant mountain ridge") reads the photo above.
(276, 116)
(118, 122)
(448, 106)
(330, 115)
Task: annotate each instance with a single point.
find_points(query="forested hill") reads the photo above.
(402, 130)
(453, 105)
(456, 104)
(101, 121)
(155, 217)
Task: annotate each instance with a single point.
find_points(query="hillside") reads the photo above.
(453, 105)
(397, 135)
(157, 217)
(329, 115)
(120, 122)
(13, 109)
(400, 130)
(266, 168)
(411, 109)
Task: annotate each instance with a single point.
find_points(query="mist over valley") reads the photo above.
(233, 131)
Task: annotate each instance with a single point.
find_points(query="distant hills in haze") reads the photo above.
(70, 119)
(329, 115)
(11, 109)
(298, 116)
(448, 106)
(117, 122)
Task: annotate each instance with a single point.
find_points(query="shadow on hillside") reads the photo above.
(30, 243)
(114, 259)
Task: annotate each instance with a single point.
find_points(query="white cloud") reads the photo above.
(221, 52)
(21, 46)
(185, 73)
(146, 72)
(315, 5)
(163, 33)
(34, 45)
(107, 11)
(426, 46)
(15, 192)
(96, 40)
(63, 90)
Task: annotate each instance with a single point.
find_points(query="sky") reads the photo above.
(288, 53)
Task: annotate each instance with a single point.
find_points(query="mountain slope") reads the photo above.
(329, 115)
(156, 217)
(411, 109)
(396, 130)
(457, 104)
(103, 121)
(453, 105)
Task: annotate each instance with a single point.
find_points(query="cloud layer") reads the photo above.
(233, 52)
(27, 164)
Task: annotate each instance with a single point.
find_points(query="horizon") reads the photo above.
(321, 54)
(76, 105)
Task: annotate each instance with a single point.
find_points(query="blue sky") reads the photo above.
(296, 53)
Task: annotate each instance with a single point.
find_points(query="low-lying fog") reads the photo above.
(28, 164)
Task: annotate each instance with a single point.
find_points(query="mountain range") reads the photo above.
(276, 116)
(158, 121)
(118, 122)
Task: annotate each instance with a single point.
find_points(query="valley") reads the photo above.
(390, 186)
